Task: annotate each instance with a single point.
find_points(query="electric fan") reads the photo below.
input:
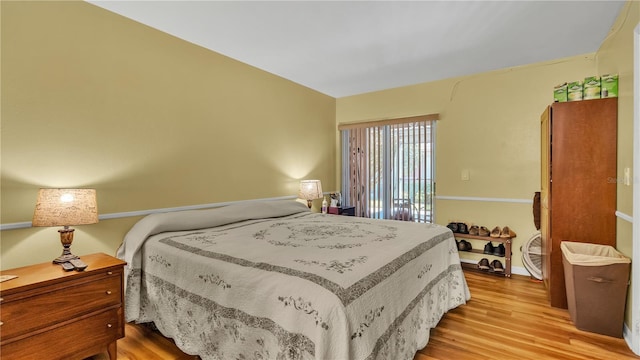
(532, 255)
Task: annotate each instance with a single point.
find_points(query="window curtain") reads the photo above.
(388, 168)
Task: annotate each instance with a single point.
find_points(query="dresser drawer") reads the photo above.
(71, 341)
(48, 306)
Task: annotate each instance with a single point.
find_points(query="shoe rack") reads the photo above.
(507, 252)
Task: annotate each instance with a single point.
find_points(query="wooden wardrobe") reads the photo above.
(578, 182)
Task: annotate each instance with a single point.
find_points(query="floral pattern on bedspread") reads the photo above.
(335, 265)
(201, 326)
(230, 334)
(316, 233)
(236, 292)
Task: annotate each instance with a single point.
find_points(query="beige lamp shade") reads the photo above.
(65, 207)
(310, 190)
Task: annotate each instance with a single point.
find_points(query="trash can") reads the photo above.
(596, 278)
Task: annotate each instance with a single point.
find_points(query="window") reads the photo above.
(388, 168)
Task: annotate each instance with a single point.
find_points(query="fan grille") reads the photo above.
(532, 255)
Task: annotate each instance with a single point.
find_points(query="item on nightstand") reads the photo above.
(67, 266)
(7, 277)
(324, 205)
(310, 190)
(337, 197)
(65, 207)
(343, 210)
(78, 264)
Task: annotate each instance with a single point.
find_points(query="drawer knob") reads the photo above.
(108, 292)
(109, 272)
(109, 325)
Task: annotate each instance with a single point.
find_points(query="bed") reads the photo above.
(272, 280)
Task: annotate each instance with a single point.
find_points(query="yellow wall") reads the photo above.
(93, 99)
(616, 57)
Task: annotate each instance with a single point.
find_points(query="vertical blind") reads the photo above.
(388, 168)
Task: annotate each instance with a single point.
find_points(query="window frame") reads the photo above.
(384, 132)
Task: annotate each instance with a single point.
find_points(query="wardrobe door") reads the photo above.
(583, 186)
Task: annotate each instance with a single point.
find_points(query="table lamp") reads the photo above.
(310, 190)
(65, 207)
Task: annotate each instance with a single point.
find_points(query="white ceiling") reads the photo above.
(343, 48)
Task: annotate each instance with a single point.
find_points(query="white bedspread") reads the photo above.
(272, 280)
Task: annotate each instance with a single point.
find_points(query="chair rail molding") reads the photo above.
(487, 199)
(27, 224)
(624, 216)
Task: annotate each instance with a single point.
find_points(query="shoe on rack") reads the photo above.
(474, 229)
(483, 231)
(507, 233)
(483, 264)
(488, 248)
(499, 250)
(453, 226)
(462, 228)
(496, 266)
(464, 245)
(495, 232)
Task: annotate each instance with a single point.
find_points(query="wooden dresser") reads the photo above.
(47, 313)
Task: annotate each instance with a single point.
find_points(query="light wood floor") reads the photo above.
(506, 319)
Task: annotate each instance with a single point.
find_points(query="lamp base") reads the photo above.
(65, 258)
(66, 238)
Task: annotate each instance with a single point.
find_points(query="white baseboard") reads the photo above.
(628, 337)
